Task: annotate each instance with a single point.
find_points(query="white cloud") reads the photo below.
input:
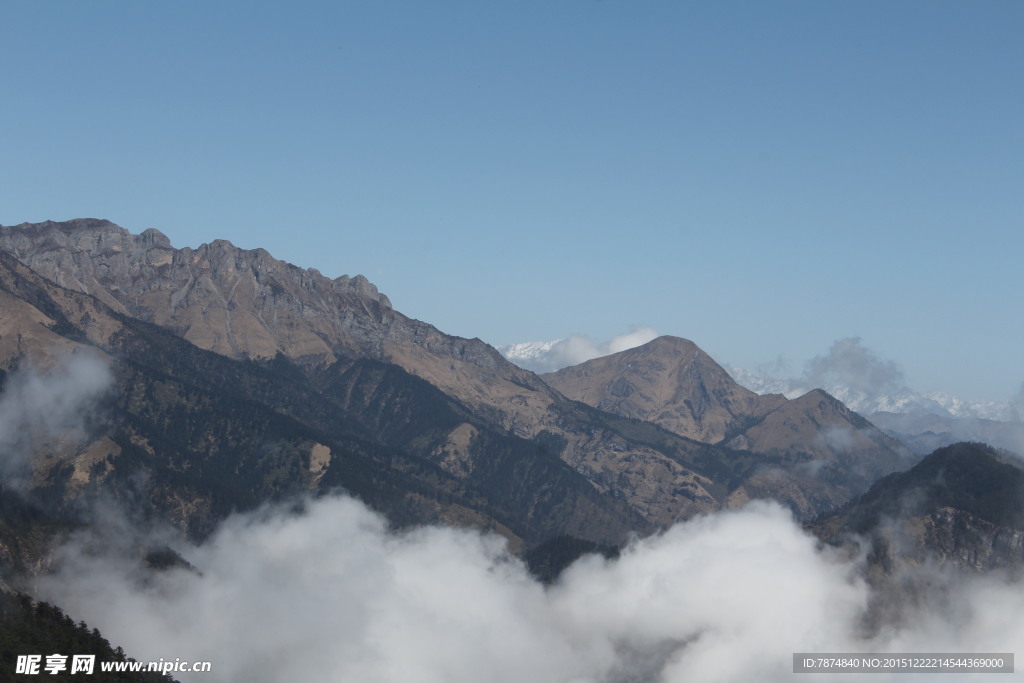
(330, 594)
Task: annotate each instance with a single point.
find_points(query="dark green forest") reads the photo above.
(29, 627)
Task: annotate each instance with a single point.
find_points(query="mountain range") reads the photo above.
(890, 399)
(110, 287)
(226, 379)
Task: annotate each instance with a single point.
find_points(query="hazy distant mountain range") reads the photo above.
(923, 421)
(901, 400)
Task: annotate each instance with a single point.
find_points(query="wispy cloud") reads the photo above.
(850, 364)
(40, 409)
(1017, 404)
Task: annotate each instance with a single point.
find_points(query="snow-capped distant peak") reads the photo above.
(548, 356)
(525, 351)
(1000, 411)
(892, 400)
(761, 384)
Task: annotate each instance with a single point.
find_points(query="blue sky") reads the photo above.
(763, 178)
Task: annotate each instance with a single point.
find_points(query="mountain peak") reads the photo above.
(668, 380)
(154, 238)
(668, 341)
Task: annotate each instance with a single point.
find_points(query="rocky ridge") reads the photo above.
(246, 305)
(237, 302)
(188, 436)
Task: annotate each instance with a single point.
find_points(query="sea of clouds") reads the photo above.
(323, 589)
